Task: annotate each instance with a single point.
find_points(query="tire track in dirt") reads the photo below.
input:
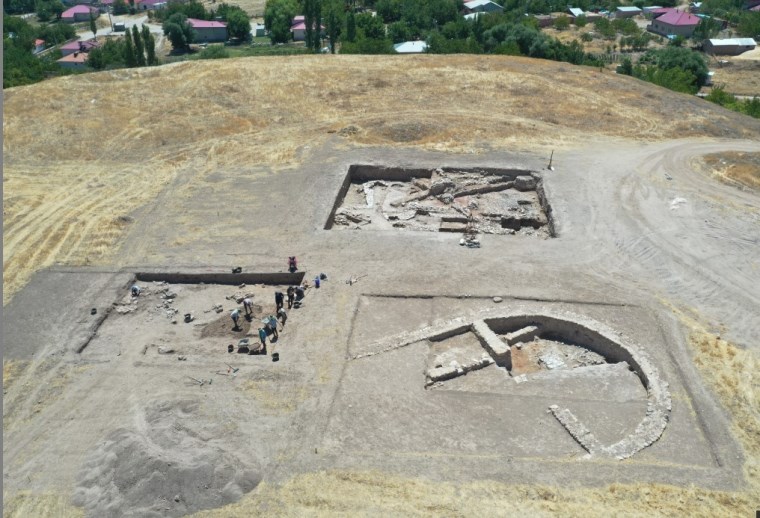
(674, 244)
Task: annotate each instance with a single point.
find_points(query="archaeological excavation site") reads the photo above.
(534, 355)
(445, 199)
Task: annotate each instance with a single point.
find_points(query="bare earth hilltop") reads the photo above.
(612, 305)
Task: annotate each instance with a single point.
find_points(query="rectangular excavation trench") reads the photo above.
(220, 278)
(445, 199)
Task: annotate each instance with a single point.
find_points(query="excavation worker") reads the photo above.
(135, 290)
(263, 338)
(291, 296)
(300, 292)
(272, 325)
(292, 264)
(283, 315)
(278, 299)
(248, 306)
(235, 315)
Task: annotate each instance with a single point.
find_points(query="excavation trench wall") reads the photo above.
(222, 278)
(358, 173)
(570, 332)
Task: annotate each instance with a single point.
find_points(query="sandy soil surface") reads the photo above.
(237, 171)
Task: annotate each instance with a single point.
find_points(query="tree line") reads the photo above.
(136, 49)
(20, 66)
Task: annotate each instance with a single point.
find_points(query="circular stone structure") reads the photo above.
(567, 327)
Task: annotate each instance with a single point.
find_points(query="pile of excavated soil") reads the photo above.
(168, 466)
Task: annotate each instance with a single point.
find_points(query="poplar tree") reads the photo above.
(139, 48)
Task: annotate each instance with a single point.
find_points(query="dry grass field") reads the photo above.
(83, 153)
(742, 168)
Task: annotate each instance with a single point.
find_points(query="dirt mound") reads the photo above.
(223, 326)
(172, 467)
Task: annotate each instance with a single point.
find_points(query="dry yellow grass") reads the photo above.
(741, 77)
(29, 503)
(742, 168)
(81, 153)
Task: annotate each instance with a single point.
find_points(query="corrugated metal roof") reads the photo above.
(742, 42)
(410, 47)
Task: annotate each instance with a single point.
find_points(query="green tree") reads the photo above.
(562, 23)
(333, 22)
(372, 27)
(681, 58)
(138, 46)
(179, 31)
(278, 17)
(93, 27)
(706, 29)
(626, 67)
(119, 7)
(239, 25)
(749, 25)
(581, 21)
(313, 23)
(150, 46)
(399, 31)
(130, 59)
(351, 26)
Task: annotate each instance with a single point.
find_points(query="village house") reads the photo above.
(79, 13)
(674, 23)
(627, 11)
(410, 47)
(39, 46)
(78, 46)
(298, 28)
(482, 6)
(149, 5)
(729, 47)
(207, 31)
(75, 61)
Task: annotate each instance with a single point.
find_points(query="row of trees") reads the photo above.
(750, 107)
(136, 49)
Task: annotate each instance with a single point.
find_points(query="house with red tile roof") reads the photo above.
(298, 28)
(39, 46)
(674, 23)
(208, 30)
(79, 13)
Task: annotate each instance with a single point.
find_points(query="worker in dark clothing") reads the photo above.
(278, 299)
(291, 296)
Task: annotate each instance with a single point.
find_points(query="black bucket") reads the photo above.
(275, 357)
